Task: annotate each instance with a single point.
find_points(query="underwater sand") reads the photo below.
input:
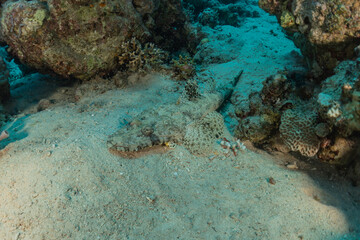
(58, 180)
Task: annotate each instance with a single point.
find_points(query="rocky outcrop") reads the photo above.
(326, 124)
(326, 31)
(220, 12)
(82, 38)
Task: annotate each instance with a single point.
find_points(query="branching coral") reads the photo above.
(137, 58)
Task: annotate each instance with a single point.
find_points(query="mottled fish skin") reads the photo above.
(163, 124)
(167, 123)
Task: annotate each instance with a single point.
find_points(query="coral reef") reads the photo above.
(81, 39)
(172, 123)
(325, 123)
(218, 12)
(326, 31)
(339, 101)
(339, 107)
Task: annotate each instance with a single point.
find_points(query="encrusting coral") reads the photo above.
(297, 130)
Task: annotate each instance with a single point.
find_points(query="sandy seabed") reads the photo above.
(59, 181)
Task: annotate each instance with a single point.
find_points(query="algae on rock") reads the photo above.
(81, 39)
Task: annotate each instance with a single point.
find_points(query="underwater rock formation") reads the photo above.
(339, 99)
(326, 31)
(193, 123)
(325, 125)
(338, 105)
(256, 128)
(220, 12)
(259, 117)
(83, 38)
